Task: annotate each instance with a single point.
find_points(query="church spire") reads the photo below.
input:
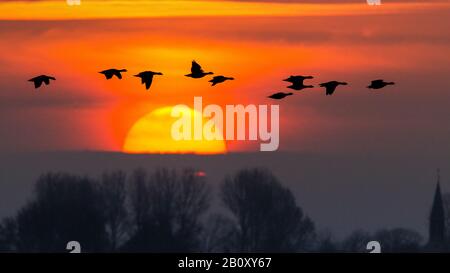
(437, 218)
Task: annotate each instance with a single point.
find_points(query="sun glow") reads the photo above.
(152, 134)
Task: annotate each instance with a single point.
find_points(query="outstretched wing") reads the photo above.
(298, 79)
(108, 74)
(330, 90)
(47, 81)
(148, 82)
(331, 87)
(377, 81)
(278, 95)
(37, 83)
(118, 74)
(196, 68)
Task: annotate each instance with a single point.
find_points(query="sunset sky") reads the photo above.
(258, 43)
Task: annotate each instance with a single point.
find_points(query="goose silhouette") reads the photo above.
(298, 78)
(219, 79)
(147, 78)
(378, 84)
(197, 71)
(299, 86)
(41, 79)
(330, 87)
(279, 95)
(109, 73)
(297, 82)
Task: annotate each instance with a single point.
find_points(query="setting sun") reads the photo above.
(152, 134)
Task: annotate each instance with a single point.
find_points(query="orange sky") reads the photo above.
(257, 50)
(95, 9)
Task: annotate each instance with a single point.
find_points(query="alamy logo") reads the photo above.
(73, 2)
(74, 247)
(374, 247)
(189, 125)
(374, 2)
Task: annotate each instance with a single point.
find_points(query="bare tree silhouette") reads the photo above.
(220, 234)
(325, 242)
(114, 195)
(167, 208)
(140, 203)
(356, 242)
(268, 218)
(63, 208)
(399, 240)
(165, 211)
(8, 235)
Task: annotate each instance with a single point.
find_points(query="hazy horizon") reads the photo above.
(390, 191)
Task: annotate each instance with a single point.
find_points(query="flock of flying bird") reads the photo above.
(297, 82)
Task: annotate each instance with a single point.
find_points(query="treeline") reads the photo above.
(173, 211)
